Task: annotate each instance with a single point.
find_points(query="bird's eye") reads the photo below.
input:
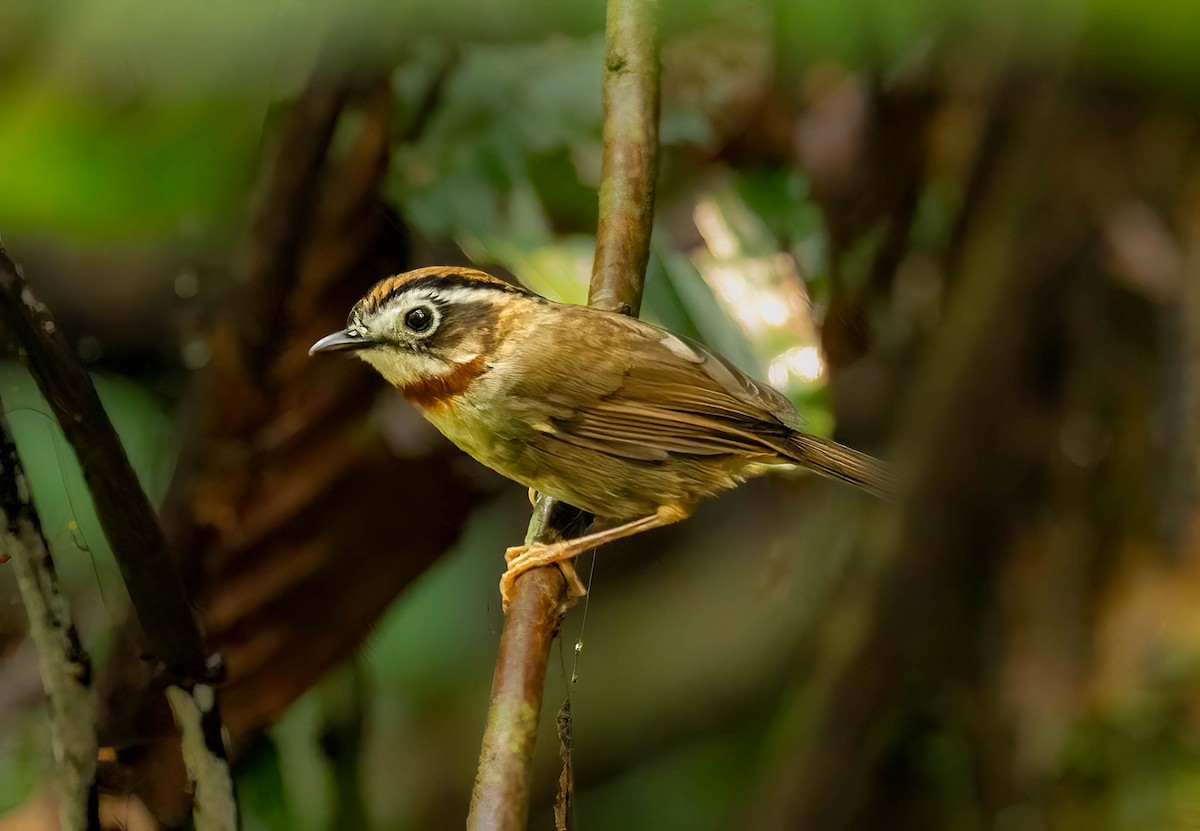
(418, 319)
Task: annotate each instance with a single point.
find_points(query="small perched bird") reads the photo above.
(608, 413)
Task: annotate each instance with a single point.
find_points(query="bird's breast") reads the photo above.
(477, 422)
(440, 391)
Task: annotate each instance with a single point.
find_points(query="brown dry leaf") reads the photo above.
(296, 522)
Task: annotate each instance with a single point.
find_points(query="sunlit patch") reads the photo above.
(759, 292)
(772, 309)
(806, 362)
(803, 362)
(711, 224)
(760, 288)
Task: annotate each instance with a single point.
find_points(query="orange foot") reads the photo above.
(522, 558)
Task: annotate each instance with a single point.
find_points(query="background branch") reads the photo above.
(913, 559)
(286, 461)
(281, 215)
(129, 522)
(214, 807)
(500, 798)
(125, 513)
(65, 668)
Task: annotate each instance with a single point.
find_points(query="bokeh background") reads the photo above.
(964, 235)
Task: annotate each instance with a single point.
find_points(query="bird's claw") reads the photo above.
(522, 558)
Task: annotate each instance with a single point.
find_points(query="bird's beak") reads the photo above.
(340, 342)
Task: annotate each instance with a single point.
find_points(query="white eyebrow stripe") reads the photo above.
(461, 294)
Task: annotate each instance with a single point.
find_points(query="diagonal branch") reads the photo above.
(125, 513)
(500, 799)
(268, 262)
(133, 531)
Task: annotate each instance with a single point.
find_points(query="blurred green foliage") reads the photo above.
(120, 169)
(132, 120)
(24, 758)
(129, 117)
(69, 520)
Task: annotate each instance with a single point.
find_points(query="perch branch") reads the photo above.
(65, 668)
(629, 164)
(500, 799)
(129, 521)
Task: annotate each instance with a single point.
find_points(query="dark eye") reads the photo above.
(418, 319)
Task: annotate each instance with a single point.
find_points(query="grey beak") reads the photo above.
(342, 341)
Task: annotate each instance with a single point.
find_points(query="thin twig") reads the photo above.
(564, 800)
(500, 799)
(66, 669)
(129, 521)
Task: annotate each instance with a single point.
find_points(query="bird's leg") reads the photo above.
(574, 585)
(522, 558)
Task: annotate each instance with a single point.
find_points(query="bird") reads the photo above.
(606, 412)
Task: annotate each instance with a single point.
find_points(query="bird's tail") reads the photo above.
(840, 462)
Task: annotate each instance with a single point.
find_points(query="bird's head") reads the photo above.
(426, 325)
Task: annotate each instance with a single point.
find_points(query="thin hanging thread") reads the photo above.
(565, 714)
(587, 602)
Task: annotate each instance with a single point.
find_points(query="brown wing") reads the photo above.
(648, 394)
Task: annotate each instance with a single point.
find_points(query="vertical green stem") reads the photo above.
(500, 799)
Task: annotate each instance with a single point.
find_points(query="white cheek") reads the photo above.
(462, 356)
(402, 368)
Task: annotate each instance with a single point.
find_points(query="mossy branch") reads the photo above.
(129, 521)
(125, 513)
(66, 669)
